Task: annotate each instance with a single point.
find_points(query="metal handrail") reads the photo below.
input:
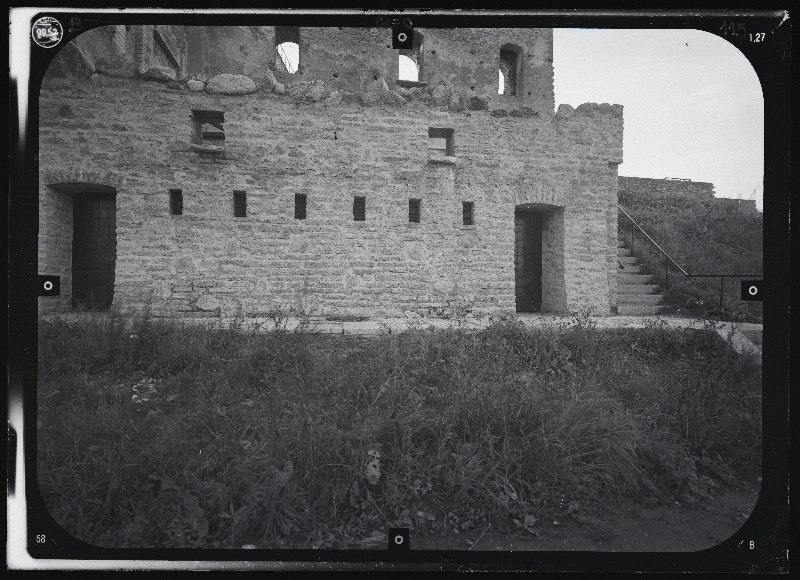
(669, 259)
(651, 240)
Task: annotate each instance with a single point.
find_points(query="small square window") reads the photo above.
(413, 211)
(208, 130)
(176, 201)
(468, 213)
(440, 142)
(359, 208)
(239, 203)
(300, 206)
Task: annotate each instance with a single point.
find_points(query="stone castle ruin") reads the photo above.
(685, 191)
(199, 171)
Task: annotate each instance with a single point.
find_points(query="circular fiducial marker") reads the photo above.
(47, 32)
(402, 37)
(753, 290)
(48, 285)
(398, 540)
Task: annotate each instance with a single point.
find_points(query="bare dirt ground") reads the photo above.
(621, 526)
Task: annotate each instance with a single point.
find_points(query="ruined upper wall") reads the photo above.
(465, 62)
(144, 47)
(664, 189)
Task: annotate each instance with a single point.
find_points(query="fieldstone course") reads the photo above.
(441, 94)
(307, 91)
(228, 84)
(207, 302)
(269, 80)
(160, 73)
(565, 111)
(478, 104)
(377, 92)
(72, 62)
(118, 65)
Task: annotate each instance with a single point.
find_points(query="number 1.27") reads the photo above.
(757, 37)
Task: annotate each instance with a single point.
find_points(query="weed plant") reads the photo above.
(156, 434)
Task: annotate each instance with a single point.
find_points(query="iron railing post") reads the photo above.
(666, 273)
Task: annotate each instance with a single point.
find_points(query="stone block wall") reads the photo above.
(55, 246)
(465, 60)
(667, 189)
(134, 136)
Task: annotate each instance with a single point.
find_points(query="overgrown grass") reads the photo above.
(168, 436)
(702, 239)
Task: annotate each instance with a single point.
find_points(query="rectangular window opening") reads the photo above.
(208, 128)
(287, 49)
(468, 213)
(413, 211)
(509, 71)
(359, 208)
(239, 203)
(300, 206)
(410, 69)
(440, 141)
(176, 201)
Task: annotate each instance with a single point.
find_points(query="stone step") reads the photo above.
(628, 260)
(629, 269)
(637, 288)
(649, 299)
(633, 278)
(620, 243)
(641, 309)
(623, 251)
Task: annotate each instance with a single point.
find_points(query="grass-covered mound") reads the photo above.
(703, 238)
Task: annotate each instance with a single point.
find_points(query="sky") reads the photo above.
(693, 106)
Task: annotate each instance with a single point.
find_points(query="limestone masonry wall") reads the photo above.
(658, 189)
(671, 190)
(134, 136)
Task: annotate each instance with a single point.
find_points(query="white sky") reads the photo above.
(693, 104)
(408, 70)
(290, 54)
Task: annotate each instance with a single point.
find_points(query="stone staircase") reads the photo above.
(636, 295)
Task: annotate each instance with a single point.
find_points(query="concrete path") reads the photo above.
(745, 336)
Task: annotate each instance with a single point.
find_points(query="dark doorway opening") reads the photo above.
(94, 250)
(528, 260)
